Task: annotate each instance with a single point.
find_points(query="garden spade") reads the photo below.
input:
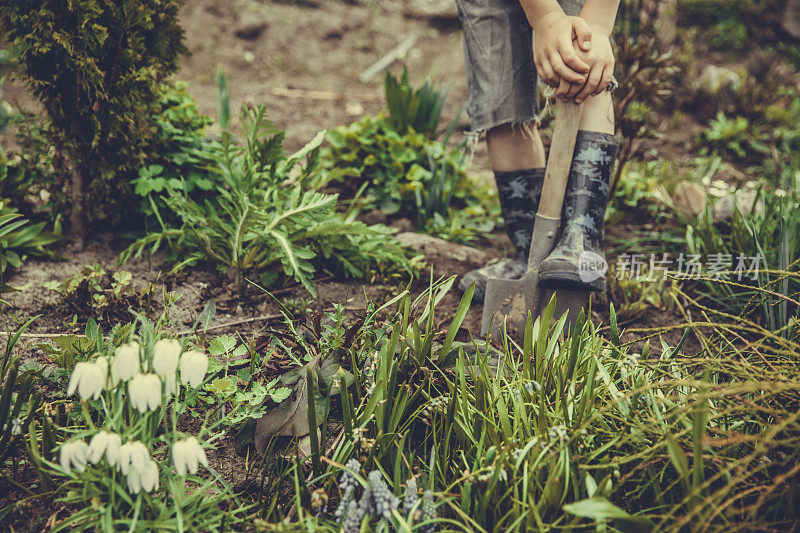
(508, 302)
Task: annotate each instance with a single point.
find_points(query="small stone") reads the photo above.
(743, 199)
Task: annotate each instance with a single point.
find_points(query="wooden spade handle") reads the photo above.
(568, 119)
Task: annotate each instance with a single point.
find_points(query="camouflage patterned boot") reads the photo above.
(519, 192)
(577, 261)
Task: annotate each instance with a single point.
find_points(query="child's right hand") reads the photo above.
(554, 55)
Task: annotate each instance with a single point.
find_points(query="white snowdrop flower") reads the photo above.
(780, 193)
(105, 442)
(88, 379)
(102, 364)
(193, 367)
(126, 362)
(148, 478)
(133, 458)
(188, 454)
(170, 385)
(144, 391)
(165, 357)
(74, 453)
(16, 426)
(134, 484)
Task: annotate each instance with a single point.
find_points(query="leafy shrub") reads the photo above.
(405, 173)
(266, 216)
(111, 58)
(182, 158)
(18, 237)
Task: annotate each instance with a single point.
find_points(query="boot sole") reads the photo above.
(570, 280)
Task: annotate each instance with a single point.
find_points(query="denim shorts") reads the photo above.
(498, 50)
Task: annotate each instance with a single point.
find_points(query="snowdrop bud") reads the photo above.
(188, 454)
(193, 368)
(145, 392)
(74, 453)
(88, 379)
(105, 442)
(126, 362)
(133, 458)
(165, 357)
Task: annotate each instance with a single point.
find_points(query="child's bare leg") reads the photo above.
(598, 114)
(514, 147)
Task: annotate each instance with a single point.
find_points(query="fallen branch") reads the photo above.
(325, 96)
(383, 63)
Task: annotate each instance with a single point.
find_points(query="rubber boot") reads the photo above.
(577, 261)
(519, 192)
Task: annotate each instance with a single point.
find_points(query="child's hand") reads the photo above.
(554, 54)
(600, 58)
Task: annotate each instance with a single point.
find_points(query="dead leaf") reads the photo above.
(690, 198)
(290, 418)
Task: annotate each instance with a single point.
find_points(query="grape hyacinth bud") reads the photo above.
(428, 510)
(347, 486)
(352, 521)
(410, 498)
(348, 478)
(383, 500)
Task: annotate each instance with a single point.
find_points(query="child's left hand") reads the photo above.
(600, 59)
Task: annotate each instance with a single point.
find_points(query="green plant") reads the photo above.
(648, 289)
(112, 58)
(19, 399)
(182, 159)
(407, 174)
(265, 217)
(140, 461)
(643, 187)
(760, 251)
(730, 34)
(418, 110)
(647, 78)
(731, 137)
(6, 113)
(94, 293)
(18, 237)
